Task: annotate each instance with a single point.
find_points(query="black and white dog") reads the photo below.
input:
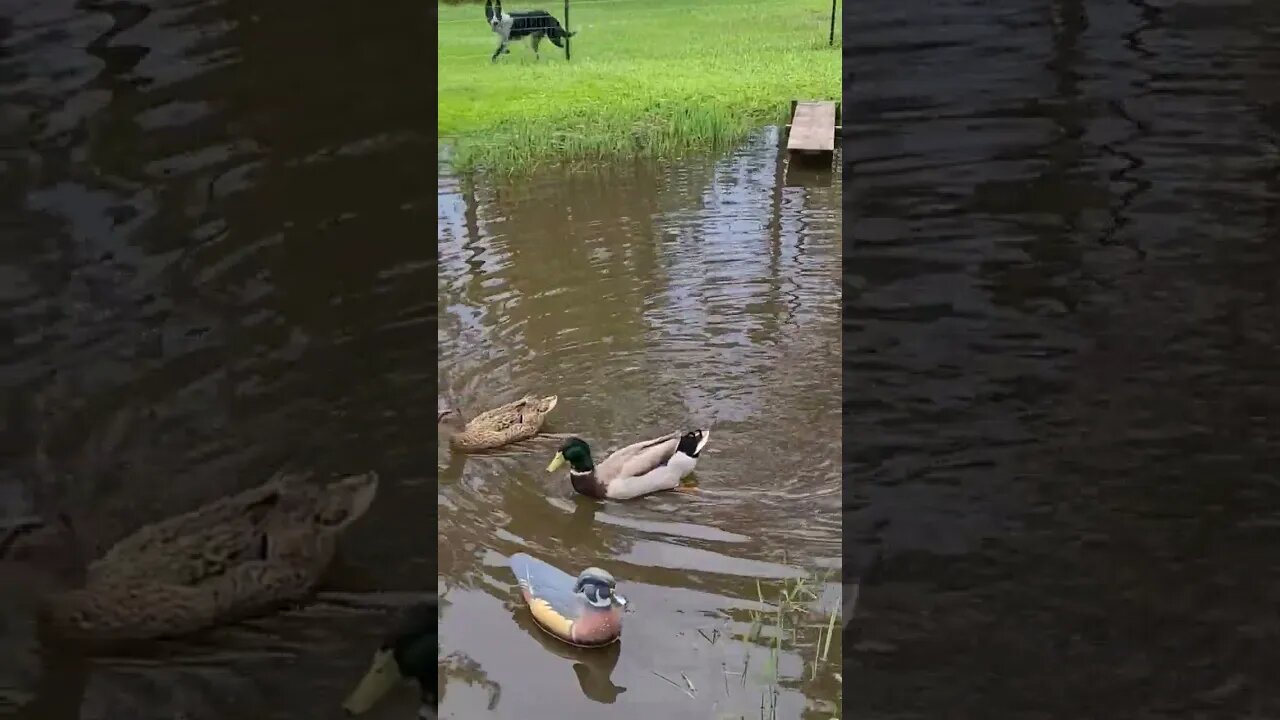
(533, 24)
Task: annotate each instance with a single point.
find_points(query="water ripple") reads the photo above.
(1056, 419)
(649, 299)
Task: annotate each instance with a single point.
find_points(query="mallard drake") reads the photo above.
(513, 422)
(584, 611)
(234, 558)
(409, 652)
(639, 469)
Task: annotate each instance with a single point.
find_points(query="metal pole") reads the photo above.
(566, 29)
(831, 40)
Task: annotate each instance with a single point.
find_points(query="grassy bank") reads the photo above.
(647, 78)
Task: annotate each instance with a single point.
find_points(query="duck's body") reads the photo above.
(584, 611)
(638, 469)
(234, 558)
(409, 652)
(511, 423)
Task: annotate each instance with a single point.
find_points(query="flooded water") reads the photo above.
(216, 264)
(1061, 353)
(650, 299)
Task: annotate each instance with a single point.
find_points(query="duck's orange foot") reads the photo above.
(687, 488)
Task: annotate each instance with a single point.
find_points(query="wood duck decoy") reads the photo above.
(592, 666)
(585, 611)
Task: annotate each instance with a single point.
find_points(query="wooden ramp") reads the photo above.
(813, 127)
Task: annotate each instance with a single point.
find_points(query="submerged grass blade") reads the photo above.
(831, 627)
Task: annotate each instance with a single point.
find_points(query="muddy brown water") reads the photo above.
(649, 298)
(1062, 288)
(216, 263)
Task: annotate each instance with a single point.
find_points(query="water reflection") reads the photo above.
(1059, 275)
(214, 267)
(592, 667)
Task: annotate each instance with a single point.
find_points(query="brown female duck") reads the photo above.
(234, 558)
(511, 423)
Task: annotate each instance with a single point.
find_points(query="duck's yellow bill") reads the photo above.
(556, 462)
(380, 678)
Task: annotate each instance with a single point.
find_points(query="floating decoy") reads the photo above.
(585, 611)
(593, 666)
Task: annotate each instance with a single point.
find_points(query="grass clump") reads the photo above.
(655, 78)
(791, 618)
(791, 621)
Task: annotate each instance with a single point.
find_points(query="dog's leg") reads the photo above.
(537, 38)
(502, 27)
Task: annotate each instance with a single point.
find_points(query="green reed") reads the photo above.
(795, 627)
(648, 78)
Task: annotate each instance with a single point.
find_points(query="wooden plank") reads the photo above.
(813, 127)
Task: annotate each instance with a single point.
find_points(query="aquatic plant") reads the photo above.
(792, 621)
(651, 78)
(790, 618)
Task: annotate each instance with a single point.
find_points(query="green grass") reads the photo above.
(656, 78)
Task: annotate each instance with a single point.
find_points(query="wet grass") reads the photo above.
(655, 78)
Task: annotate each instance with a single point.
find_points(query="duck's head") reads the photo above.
(49, 545)
(337, 504)
(451, 420)
(599, 588)
(409, 652)
(577, 453)
(692, 442)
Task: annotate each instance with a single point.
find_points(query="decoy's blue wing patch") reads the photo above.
(548, 584)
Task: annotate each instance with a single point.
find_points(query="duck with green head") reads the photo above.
(638, 469)
(409, 652)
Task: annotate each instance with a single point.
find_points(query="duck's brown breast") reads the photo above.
(598, 627)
